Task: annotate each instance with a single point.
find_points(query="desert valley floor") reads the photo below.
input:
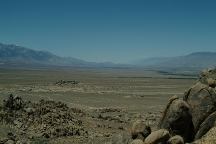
(111, 98)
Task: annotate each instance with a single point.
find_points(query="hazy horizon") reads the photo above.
(115, 31)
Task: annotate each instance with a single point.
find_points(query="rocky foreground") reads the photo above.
(45, 119)
(189, 119)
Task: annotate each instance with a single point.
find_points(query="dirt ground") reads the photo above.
(110, 98)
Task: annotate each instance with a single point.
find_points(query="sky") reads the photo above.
(119, 31)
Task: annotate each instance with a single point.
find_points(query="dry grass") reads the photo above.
(135, 90)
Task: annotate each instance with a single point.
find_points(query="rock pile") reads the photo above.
(185, 120)
(45, 119)
(68, 82)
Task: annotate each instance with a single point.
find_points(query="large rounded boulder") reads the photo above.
(140, 130)
(177, 119)
(208, 123)
(159, 136)
(202, 100)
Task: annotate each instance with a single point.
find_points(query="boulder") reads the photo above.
(208, 123)
(211, 82)
(208, 138)
(176, 140)
(140, 130)
(202, 100)
(177, 119)
(159, 136)
(206, 75)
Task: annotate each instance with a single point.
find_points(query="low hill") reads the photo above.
(195, 61)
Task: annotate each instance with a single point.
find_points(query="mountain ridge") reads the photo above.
(197, 60)
(13, 55)
(17, 55)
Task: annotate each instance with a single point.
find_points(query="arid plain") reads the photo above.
(110, 98)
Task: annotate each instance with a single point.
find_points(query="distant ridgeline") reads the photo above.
(194, 61)
(21, 56)
(12, 55)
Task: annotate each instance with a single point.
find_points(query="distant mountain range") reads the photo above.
(18, 56)
(196, 61)
(12, 55)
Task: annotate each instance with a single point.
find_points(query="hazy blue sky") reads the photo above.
(110, 30)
